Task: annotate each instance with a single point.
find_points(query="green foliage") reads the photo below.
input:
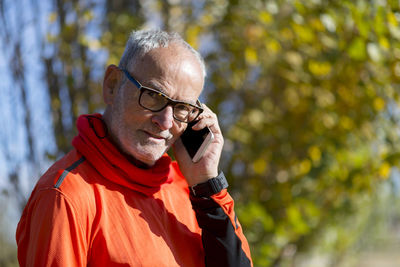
(313, 94)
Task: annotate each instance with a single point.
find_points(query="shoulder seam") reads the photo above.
(68, 170)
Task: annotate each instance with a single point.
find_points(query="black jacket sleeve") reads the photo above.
(221, 243)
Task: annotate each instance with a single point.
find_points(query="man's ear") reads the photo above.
(111, 83)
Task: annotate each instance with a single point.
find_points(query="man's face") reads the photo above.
(144, 134)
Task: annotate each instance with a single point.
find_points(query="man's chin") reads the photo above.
(149, 158)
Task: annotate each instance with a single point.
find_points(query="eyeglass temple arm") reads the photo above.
(199, 104)
(138, 85)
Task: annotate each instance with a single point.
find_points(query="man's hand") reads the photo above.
(207, 166)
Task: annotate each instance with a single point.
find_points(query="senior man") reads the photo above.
(117, 198)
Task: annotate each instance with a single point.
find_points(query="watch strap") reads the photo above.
(210, 187)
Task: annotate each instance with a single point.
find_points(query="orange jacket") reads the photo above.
(77, 217)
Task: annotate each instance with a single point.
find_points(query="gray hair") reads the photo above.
(141, 42)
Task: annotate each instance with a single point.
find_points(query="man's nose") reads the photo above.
(164, 118)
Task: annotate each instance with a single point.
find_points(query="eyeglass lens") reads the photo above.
(155, 101)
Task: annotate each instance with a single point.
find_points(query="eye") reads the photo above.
(151, 93)
(182, 108)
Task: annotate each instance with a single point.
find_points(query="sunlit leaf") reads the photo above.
(251, 55)
(259, 166)
(192, 34)
(384, 170)
(265, 17)
(319, 68)
(315, 154)
(357, 49)
(379, 104)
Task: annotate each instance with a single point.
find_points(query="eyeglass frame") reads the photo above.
(171, 102)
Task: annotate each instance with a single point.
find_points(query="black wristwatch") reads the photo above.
(210, 187)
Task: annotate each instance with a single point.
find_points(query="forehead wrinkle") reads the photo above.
(154, 85)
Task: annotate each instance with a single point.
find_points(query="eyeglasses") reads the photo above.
(154, 100)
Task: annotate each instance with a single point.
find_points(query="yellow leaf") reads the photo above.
(384, 43)
(384, 170)
(315, 154)
(391, 17)
(319, 68)
(259, 166)
(272, 46)
(192, 35)
(52, 17)
(302, 168)
(317, 25)
(305, 166)
(265, 17)
(88, 15)
(379, 104)
(304, 33)
(251, 55)
(346, 122)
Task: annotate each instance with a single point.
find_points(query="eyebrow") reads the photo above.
(155, 87)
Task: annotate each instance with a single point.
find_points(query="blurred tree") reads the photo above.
(70, 70)
(310, 91)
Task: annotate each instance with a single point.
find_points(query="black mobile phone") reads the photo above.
(196, 142)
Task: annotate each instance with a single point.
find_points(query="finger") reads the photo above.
(207, 118)
(210, 122)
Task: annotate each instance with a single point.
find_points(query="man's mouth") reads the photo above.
(156, 136)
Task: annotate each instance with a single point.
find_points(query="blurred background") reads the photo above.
(307, 94)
